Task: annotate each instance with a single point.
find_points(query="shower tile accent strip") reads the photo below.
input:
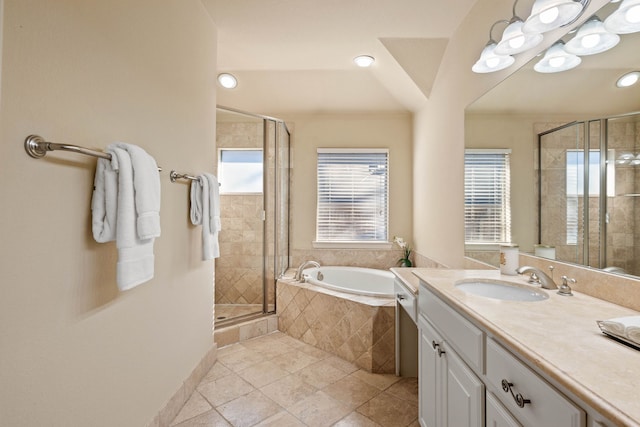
(360, 330)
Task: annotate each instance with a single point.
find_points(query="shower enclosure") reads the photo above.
(253, 170)
(590, 213)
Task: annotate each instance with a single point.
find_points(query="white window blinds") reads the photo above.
(353, 194)
(487, 211)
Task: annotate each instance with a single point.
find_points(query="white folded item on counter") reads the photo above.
(627, 328)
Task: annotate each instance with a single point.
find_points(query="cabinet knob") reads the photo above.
(508, 388)
(434, 345)
(440, 352)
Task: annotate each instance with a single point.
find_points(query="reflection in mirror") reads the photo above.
(548, 186)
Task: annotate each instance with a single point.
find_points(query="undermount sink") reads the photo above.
(500, 290)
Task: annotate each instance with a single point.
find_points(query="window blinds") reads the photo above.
(353, 187)
(487, 211)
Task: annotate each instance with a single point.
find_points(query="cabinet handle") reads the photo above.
(520, 401)
(436, 346)
(400, 297)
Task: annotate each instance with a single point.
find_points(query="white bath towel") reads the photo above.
(205, 211)
(126, 208)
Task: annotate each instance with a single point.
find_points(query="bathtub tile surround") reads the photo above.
(358, 329)
(380, 259)
(275, 380)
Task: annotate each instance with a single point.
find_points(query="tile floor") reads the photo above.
(276, 380)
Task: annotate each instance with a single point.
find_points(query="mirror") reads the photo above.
(527, 104)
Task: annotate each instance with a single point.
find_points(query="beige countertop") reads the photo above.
(559, 336)
(408, 278)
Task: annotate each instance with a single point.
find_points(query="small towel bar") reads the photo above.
(174, 176)
(37, 148)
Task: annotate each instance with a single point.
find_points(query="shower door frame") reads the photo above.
(279, 126)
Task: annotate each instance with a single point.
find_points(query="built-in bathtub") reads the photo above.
(352, 280)
(350, 313)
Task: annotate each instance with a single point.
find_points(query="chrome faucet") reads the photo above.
(298, 277)
(545, 281)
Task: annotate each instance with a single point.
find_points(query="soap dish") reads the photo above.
(618, 338)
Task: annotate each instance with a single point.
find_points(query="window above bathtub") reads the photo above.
(353, 197)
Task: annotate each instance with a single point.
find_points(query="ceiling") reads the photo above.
(297, 55)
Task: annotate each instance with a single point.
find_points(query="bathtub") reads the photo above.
(352, 280)
(349, 312)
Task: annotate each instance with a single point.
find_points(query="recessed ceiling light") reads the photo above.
(628, 79)
(364, 60)
(227, 80)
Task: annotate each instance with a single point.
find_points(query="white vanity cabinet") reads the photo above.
(497, 415)
(451, 395)
(458, 360)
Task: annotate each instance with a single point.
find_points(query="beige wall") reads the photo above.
(392, 131)
(438, 151)
(74, 350)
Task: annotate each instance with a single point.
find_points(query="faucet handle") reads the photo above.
(565, 289)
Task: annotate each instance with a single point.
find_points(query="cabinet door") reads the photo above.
(464, 391)
(497, 415)
(429, 377)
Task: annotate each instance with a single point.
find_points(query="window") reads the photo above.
(487, 210)
(575, 185)
(353, 194)
(240, 171)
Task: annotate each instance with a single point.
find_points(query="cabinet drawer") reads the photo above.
(546, 407)
(406, 299)
(467, 339)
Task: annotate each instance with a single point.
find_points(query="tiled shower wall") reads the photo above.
(240, 266)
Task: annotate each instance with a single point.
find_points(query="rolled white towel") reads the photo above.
(613, 326)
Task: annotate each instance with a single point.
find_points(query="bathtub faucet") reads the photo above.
(298, 277)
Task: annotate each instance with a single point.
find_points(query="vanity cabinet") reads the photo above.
(458, 361)
(450, 393)
(497, 415)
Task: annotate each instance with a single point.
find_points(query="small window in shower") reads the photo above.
(575, 185)
(240, 171)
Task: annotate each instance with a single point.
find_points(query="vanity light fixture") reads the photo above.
(557, 59)
(592, 38)
(626, 19)
(628, 79)
(490, 61)
(514, 40)
(547, 15)
(364, 61)
(227, 81)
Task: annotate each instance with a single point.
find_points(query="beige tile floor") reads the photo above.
(276, 380)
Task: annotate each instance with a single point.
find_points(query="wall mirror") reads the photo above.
(560, 114)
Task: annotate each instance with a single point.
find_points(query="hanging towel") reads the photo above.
(205, 211)
(126, 208)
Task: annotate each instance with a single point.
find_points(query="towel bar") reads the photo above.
(174, 176)
(37, 148)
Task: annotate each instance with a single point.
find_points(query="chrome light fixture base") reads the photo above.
(547, 15)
